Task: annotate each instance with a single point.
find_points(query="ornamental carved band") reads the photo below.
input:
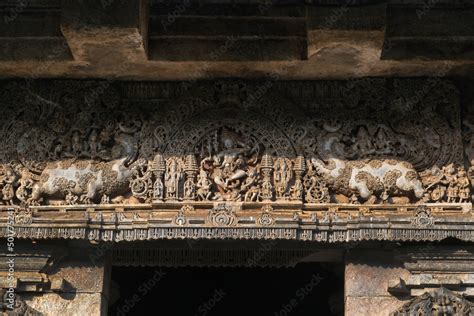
(360, 142)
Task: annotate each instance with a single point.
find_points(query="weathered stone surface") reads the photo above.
(343, 41)
(371, 279)
(368, 274)
(334, 162)
(81, 276)
(74, 304)
(373, 305)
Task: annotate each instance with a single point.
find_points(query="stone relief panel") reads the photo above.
(368, 142)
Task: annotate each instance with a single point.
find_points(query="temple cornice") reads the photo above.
(320, 223)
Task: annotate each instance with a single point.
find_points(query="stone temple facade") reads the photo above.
(180, 134)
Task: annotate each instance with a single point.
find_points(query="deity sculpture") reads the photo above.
(451, 180)
(363, 142)
(251, 185)
(7, 181)
(173, 177)
(464, 186)
(448, 184)
(227, 163)
(25, 188)
(204, 185)
(282, 175)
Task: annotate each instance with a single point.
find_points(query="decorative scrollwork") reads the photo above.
(222, 216)
(23, 217)
(266, 218)
(180, 218)
(422, 218)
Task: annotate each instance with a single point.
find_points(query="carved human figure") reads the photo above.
(204, 185)
(448, 184)
(57, 150)
(70, 198)
(296, 191)
(451, 179)
(253, 194)
(93, 143)
(172, 178)
(23, 193)
(382, 143)
(7, 182)
(189, 189)
(464, 186)
(76, 143)
(158, 189)
(363, 144)
(282, 175)
(230, 159)
(251, 179)
(251, 186)
(471, 176)
(234, 193)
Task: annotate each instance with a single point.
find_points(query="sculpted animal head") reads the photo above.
(323, 167)
(138, 165)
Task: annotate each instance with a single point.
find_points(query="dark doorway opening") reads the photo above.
(306, 289)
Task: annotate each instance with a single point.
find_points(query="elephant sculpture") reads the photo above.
(83, 181)
(369, 178)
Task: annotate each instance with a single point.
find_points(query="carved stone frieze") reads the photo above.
(214, 143)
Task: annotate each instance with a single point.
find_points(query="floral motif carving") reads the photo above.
(266, 218)
(23, 217)
(180, 218)
(422, 217)
(222, 216)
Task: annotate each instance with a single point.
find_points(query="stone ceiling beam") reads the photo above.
(31, 30)
(159, 40)
(442, 30)
(106, 32)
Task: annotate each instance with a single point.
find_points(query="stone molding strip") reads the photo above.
(327, 223)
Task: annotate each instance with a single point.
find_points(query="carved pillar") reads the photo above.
(267, 186)
(158, 169)
(191, 169)
(297, 189)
